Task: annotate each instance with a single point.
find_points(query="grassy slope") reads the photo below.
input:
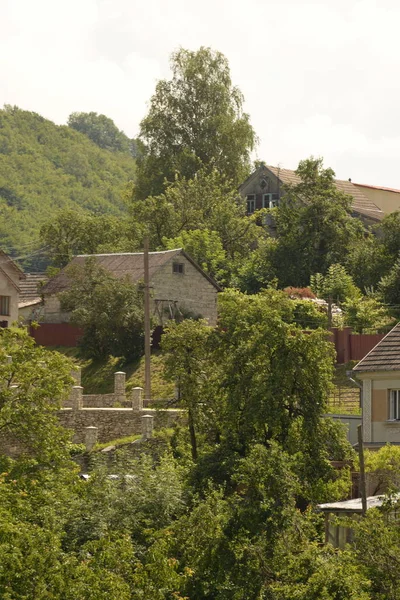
(98, 376)
(44, 168)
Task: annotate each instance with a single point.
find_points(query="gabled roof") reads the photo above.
(29, 287)
(122, 264)
(360, 203)
(385, 356)
(378, 187)
(6, 260)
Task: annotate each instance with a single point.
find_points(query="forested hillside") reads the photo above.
(44, 168)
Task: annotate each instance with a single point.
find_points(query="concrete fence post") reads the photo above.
(8, 359)
(77, 397)
(77, 375)
(137, 398)
(90, 437)
(119, 385)
(147, 426)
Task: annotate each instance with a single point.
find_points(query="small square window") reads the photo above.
(178, 268)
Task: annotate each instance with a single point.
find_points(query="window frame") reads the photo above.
(268, 200)
(394, 405)
(180, 270)
(5, 303)
(251, 201)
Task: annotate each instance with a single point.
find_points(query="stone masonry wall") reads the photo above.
(114, 423)
(52, 312)
(112, 416)
(190, 289)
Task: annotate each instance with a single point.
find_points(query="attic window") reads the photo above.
(178, 268)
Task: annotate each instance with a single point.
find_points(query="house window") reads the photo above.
(251, 203)
(270, 200)
(178, 268)
(4, 305)
(394, 405)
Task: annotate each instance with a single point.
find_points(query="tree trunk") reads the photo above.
(192, 432)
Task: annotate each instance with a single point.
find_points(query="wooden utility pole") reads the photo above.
(329, 312)
(147, 332)
(363, 487)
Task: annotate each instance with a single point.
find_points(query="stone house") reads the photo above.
(266, 185)
(178, 285)
(379, 373)
(10, 277)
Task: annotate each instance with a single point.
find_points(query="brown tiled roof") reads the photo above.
(120, 265)
(29, 287)
(385, 356)
(378, 187)
(360, 203)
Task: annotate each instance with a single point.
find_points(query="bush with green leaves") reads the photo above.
(109, 310)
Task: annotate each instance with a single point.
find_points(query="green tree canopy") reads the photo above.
(195, 121)
(336, 285)
(33, 382)
(314, 226)
(109, 310)
(102, 131)
(72, 232)
(208, 202)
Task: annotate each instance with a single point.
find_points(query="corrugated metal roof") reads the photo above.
(385, 356)
(352, 506)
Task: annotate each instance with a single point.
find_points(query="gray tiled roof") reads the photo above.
(120, 265)
(29, 287)
(385, 356)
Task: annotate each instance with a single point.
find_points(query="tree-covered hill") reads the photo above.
(44, 168)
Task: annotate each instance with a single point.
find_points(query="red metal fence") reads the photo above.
(350, 346)
(56, 334)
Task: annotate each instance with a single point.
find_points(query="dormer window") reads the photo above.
(178, 268)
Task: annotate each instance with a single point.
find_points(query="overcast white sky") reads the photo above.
(319, 77)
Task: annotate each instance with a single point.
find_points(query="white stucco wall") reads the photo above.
(8, 289)
(375, 407)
